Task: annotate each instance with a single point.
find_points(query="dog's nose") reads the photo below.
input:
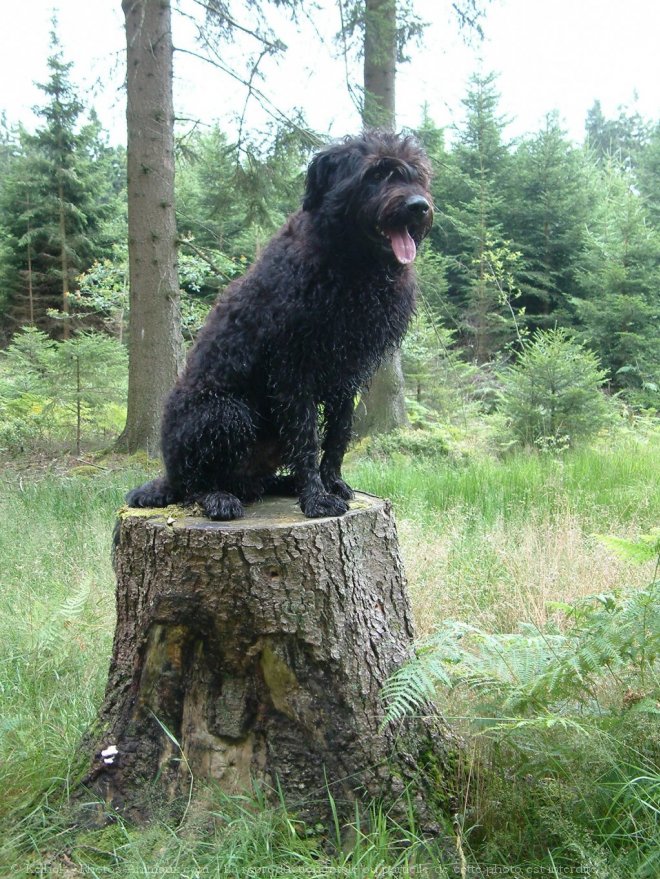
(418, 206)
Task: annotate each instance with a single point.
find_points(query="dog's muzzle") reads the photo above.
(417, 216)
(417, 206)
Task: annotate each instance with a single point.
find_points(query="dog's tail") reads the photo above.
(156, 493)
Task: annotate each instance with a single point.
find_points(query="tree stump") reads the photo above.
(254, 652)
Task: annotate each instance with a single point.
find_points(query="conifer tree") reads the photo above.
(551, 395)
(481, 277)
(648, 176)
(54, 202)
(621, 139)
(620, 279)
(550, 195)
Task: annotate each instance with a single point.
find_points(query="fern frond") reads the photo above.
(645, 549)
(533, 673)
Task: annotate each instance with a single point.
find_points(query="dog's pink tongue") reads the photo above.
(403, 245)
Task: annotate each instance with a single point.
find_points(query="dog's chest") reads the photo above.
(346, 336)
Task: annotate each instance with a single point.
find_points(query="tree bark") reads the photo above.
(383, 406)
(379, 64)
(155, 344)
(253, 652)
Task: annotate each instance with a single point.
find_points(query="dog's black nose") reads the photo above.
(417, 205)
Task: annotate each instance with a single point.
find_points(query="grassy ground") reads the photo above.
(485, 542)
(491, 542)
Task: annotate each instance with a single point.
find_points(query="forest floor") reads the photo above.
(490, 543)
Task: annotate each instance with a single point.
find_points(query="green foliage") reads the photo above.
(103, 294)
(619, 309)
(61, 191)
(439, 383)
(551, 192)
(53, 392)
(482, 258)
(622, 139)
(582, 797)
(56, 611)
(553, 391)
(231, 198)
(539, 677)
(644, 549)
(421, 444)
(573, 707)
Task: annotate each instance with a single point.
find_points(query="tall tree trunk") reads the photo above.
(29, 272)
(383, 406)
(78, 408)
(379, 64)
(155, 344)
(254, 652)
(64, 260)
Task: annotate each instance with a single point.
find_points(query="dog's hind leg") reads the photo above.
(208, 440)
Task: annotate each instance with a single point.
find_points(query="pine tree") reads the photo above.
(622, 139)
(9, 147)
(481, 279)
(648, 175)
(56, 198)
(549, 201)
(551, 396)
(620, 311)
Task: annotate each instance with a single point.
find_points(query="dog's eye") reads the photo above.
(380, 174)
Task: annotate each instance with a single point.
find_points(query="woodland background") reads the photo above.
(525, 480)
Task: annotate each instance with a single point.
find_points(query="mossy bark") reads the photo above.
(254, 652)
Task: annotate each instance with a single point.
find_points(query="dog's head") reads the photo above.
(376, 188)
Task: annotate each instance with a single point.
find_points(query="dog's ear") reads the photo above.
(320, 174)
(323, 172)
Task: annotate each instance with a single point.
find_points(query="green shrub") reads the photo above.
(551, 397)
(439, 383)
(406, 443)
(570, 711)
(60, 393)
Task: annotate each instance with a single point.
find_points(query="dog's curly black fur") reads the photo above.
(297, 337)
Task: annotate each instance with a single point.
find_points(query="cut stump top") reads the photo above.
(272, 513)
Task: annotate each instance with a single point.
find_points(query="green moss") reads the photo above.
(84, 470)
(280, 680)
(174, 511)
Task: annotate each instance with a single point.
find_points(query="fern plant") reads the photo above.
(546, 672)
(567, 723)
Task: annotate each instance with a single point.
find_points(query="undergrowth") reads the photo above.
(564, 752)
(567, 717)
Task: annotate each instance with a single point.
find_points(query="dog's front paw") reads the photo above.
(320, 504)
(339, 488)
(221, 506)
(156, 493)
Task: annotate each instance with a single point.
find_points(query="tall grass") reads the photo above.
(492, 542)
(487, 542)
(602, 485)
(56, 621)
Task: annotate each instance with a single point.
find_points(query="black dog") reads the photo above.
(284, 352)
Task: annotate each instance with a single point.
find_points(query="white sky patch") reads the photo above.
(560, 55)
